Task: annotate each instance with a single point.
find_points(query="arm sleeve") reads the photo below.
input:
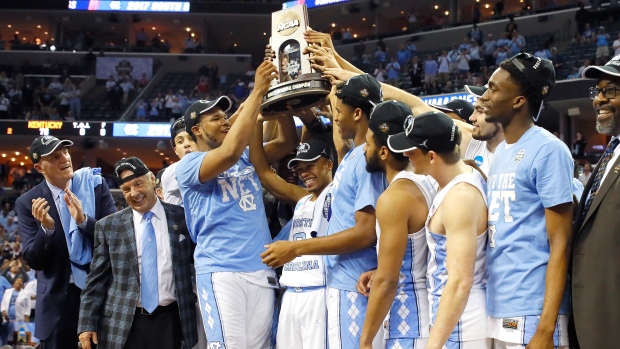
(36, 244)
(552, 173)
(188, 169)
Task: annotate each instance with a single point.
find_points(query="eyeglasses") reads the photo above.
(608, 92)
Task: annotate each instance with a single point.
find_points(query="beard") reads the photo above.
(372, 163)
(487, 136)
(606, 126)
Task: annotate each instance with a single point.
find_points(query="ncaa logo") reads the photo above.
(479, 160)
(47, 139)
(303, 148)
(408, 125)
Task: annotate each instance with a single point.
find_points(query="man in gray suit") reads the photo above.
(596, 266)
(139, 292)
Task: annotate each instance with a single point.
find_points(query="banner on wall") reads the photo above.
(121, 66)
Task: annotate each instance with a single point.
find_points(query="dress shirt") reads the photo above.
(165, 278)
(611, 161)
(55, 194)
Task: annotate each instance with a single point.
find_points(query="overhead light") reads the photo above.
(355, 35)
(193, 35)
(436, 7)
(3, 155)
(374, 25)
(162, 154)
(16, 33)
(486, 6)
(12, 159)
(9, 26)
(235, 45)
(188, 29)
(25, 157)
(153, 28)
(404, 28)
(39, 26)
(402, 12)
(264, 33)
(118, 149)
(45, 33)
(17, 153)
(124, 153)
(21, 163)
(363, 19)
(333, 25)
(447, 13)
(167, 158)
(52, 47)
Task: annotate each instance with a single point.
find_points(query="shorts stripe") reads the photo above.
(209, 309)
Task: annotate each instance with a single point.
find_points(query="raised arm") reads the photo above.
(224, 157)
(286, 141)
(278, 187)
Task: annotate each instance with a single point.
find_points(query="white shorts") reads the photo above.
(505, 345)
(409, 343)
(520, 330)
(477, 344)
(302, 322)
(346, 312)
(237, 314)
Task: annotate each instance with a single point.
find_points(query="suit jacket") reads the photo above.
(50, 255)
(596, 266)
(110, 297)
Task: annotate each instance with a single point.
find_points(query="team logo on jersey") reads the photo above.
(520, 155)
(512, 324)
(246, 202)
(364, 93)
(408, 125)
(327, 206)
(479, 160)
(216, 345)
(303, 148)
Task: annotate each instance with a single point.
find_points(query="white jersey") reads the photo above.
(170, 186)
(480, 153)
(408, 316)
(309, 221)
(471, 326)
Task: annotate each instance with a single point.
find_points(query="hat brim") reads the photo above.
(475, 91)
(399, 143)
(442, 108)
(594, 72)
(292, 162)
(222, 102)
(64, 142)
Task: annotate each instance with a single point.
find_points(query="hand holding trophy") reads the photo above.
(298, 86)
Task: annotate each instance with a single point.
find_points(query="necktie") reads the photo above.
(149, 290)
(600, 171)
(65, 216)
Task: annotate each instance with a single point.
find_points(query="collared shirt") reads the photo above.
(57, 197)
(165, 278)
(611, 161)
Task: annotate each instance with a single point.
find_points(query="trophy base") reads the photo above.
(308, 90)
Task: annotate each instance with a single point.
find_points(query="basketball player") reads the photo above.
(182, 144)
(399, 283)
(226, 218)
(530, 212)
(302, 322)
(456, 237)
(350, 240)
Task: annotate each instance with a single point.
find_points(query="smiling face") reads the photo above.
(139, 192)
(371, 152)
(607, 109)
(56, 167)
(483, 131)
(212, 128)
(183, 144)
(500, 99)
(344, 117)
(315, 175)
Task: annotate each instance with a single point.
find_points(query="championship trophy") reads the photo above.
(298, 87)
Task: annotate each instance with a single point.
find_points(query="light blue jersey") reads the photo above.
(526, 177)
(353, 189)
(225, 216)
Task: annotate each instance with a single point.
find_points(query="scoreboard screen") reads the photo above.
(37, 128)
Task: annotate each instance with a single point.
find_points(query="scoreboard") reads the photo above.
(37, 128)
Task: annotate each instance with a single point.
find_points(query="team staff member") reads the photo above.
(138, 294)
(226, 218)
(56, 224)
(530, 212)
(350, 241)
(456, 238)
(399, 283)
(595, 276)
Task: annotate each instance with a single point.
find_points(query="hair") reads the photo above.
(354, 102)
(382, 142)
(453, 156)
(179, 125)
(525, 89)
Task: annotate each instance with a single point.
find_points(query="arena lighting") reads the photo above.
(17, 153)
(436, 7)
(486, 6)
(333, 25)
(53, 48)
(9, 26)
(447, 13)
(188, 29)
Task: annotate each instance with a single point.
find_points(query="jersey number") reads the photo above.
(299, 236)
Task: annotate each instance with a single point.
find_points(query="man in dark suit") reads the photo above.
(596, 267)
(139, 291)
(56, 224)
